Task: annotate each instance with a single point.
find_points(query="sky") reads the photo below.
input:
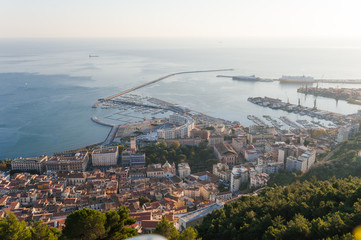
(179, 19)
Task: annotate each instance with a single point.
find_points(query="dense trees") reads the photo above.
(308, 210)
(84, 224)
(12, 229)
(166, 229)
(200, 157)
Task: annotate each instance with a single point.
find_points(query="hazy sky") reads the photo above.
(181, 18)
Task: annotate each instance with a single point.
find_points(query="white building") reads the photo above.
(26, 164)
(258, 180)
(105, 156)
(222, 171)
(184, 170)
(183, 131)
(347, 131)
(239, 175)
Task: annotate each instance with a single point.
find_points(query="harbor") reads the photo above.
(335, 118)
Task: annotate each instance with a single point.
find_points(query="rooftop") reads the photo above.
(191, 216)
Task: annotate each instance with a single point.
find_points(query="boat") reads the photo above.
(246, 78)
(297, 79)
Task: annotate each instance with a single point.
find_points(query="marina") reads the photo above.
(273, 103)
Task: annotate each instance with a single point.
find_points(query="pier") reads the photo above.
(111, 134)
(154, 81)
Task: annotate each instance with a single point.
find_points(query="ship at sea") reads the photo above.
(297, 79)
(246, 78)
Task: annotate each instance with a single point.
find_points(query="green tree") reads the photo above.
(166, 229)
(40, 231)
(116, 222)
(188, 234)
(175, 145)
(12, 229)
(87, 224)
(143, 200)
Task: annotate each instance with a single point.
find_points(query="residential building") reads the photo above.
(183, 131)
(347, 131)
(239, 175)
(105, 156)
(215, 139)
(225, 153)
(295, 164)
(77, 161)
(26, 164)
(184, 170)
(258, 180)
(131, 159)
(222, 171)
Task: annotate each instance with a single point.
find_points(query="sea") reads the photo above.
(48, 86)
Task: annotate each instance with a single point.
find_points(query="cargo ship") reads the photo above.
(297, 79)
(246, 78)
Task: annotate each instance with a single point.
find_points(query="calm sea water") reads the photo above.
(48, 86)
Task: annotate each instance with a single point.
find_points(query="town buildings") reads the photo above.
(225, 153)
(184, 170)
(74, 161)
(105, 156)
(26, 164)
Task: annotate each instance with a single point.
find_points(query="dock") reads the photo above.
(155, 81)
(111, 135)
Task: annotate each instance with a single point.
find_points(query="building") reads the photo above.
(225, 153)
(251, 155)
(259, 132)
(215, 139)
(68, 161)
(192, 192)
(295, 164)
(239, 142)
(209, 192)
(239, 175)
(183, 131)
(105, 156)
(258, 180)
(27, 164)
(347, 131)
(184, 170)
(155, 171)
(185, 141)
(286, 151)
(132, 159)
(202, 134)
(196, 217)
(222, 171)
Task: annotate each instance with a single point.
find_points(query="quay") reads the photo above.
(351, 95)
(111, 135)
(154, 81)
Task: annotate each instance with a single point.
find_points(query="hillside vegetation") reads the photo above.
(308, 210)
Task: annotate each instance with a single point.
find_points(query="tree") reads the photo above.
(12, 229)
(188, 234)
(175, 145)
(143, 200)
(116, 222)
(166, 229)
(40, 231)
(84, 224)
